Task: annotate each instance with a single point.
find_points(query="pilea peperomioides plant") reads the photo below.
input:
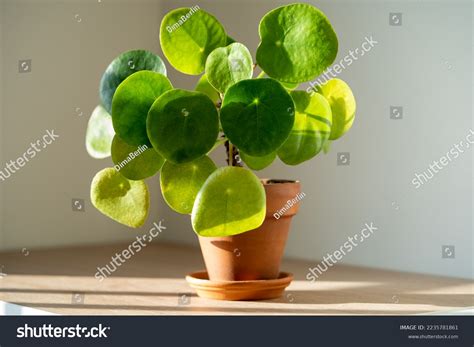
(155, 127)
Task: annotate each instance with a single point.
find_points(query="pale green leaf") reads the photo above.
(123, 200)
(100, 133)
(231, 201)
(180, 183)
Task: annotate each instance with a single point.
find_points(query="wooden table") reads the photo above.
(152, 283)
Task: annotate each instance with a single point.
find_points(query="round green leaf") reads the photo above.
(343, 106)
(257, 116)
(327, 146)
(124, 201)
(297, 43)
(183, 125)
(123, 66)
(310, 131)
(231, 201)
(226, 66)
(188, 36)
(290, 86)
(100, 133)
(131, 103)
(258, 163)
(180, 183)
(205, 87)
(135, 162)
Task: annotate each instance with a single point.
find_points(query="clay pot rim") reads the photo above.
(201, 279)
(278, 181)
(238, 290)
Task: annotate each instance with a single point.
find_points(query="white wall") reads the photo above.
(68, 58)
(1, 124)
(408, 67)
(472, 125)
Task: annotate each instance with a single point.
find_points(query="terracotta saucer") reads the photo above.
(238, 290)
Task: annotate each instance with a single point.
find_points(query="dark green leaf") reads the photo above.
(257, 116)
(183, 125)
(135, 162)
(123, 66)
(131, 104)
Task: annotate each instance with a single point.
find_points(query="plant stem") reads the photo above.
(231, 154)
(261, 75)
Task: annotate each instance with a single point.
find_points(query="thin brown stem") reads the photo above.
(233, 155)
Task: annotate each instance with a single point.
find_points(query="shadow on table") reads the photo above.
(296, 300)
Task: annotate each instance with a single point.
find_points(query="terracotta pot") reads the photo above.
(255, 254)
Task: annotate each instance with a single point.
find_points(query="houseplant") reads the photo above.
(156, 128)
